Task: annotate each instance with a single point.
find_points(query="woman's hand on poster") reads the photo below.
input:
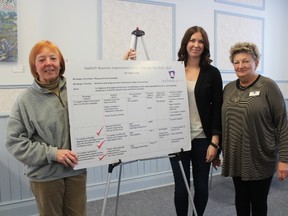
(67, 157)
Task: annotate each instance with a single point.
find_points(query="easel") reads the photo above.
(134, 37)
(110, 170)
(133, 45)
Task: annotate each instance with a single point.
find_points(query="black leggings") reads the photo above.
(251, 195)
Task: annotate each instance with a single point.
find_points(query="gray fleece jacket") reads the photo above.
(38, 125)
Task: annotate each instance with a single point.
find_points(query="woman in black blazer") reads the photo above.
(204, 85)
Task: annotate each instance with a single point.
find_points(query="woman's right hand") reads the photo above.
(130, 55)
(67, 157)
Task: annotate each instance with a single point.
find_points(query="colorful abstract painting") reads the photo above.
(8, 31)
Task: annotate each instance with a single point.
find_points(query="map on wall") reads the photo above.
(8, 31)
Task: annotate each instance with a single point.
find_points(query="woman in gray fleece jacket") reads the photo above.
(38, 136)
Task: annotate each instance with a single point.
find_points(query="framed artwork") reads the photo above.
(254, 4)
(8, 31)
(119, 18)
(231, 28)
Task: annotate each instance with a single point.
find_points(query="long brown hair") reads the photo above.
(183, 54)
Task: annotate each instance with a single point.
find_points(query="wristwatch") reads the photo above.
(214, 145)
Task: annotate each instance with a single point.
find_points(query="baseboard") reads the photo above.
(129, 185)
(94, 192)
(24, 208)
(97, 191)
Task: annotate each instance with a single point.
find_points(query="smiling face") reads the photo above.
(47, 65)
(245, 66)
(195, 46)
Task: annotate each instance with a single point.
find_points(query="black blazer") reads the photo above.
(208, 96)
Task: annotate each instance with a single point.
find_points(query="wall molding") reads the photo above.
(95, 191)
(260, 4)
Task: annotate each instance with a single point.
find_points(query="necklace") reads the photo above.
(246, 87)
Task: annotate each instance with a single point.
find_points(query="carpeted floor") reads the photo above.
(159, 201)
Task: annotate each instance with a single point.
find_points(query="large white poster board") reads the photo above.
(127, 110)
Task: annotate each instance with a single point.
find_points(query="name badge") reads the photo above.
(254, 93)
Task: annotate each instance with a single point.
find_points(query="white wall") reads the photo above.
(74, 26)
(276, 34)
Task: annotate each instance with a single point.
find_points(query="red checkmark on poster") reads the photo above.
(98, 133)
(100, 145)
(100, 158)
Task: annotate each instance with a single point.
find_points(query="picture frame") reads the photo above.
(231, 28)
(115, 35)
(254, 4)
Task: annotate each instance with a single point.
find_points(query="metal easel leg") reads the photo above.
(211, 175)
(110, 169)
(186, 184)
(134, 38)
(144, 46)
(118, 189)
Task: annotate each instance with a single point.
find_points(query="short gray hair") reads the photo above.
(244, 47)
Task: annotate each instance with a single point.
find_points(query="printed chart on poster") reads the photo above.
(127, 110)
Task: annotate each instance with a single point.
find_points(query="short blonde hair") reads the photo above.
(244, 47)
(37, 48)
